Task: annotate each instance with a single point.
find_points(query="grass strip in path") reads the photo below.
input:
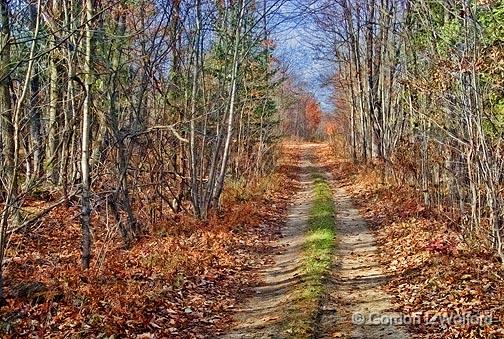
(317, 256)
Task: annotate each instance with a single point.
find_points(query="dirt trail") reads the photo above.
(353, 285)
(262, 315)
(355, 305)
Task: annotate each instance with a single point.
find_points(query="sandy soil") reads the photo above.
(263, 315)
(354, 306)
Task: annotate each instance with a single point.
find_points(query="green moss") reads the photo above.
(320, 240)
(317, 254)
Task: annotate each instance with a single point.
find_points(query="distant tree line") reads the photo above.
(300, 111)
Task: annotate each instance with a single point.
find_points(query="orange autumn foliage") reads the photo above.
(179, 280)
(313, 114)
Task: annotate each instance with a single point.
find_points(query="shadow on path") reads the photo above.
(355, 305)
(263, 316)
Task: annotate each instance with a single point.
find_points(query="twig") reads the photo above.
(41, 214)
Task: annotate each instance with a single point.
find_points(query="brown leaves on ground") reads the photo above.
(180, 280)
(437, 278)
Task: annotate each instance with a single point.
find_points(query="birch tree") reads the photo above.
(86, 125)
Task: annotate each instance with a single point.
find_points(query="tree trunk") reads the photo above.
(217, 190)
(86, 121)
(5, 95)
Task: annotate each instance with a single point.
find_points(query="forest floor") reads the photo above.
(178, 280)
(312, 250)
(443, 286)
(398, 269)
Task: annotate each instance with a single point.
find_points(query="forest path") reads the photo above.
(355, 304)
(353, 292)
(262, 316)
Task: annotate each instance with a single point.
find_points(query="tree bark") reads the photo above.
(86, 122)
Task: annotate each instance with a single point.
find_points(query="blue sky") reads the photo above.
(294, 38)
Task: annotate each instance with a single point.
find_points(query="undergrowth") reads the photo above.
(178, 280)
(433, 272)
